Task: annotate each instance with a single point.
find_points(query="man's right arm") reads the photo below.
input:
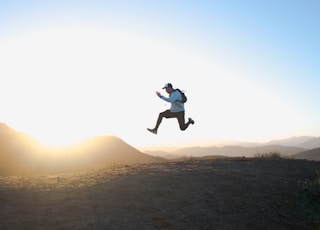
(173, 97)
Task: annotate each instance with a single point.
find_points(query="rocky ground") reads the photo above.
(238, 193)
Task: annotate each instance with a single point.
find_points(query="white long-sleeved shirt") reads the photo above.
(175, 100)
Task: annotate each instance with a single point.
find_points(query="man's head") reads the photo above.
(168, 88)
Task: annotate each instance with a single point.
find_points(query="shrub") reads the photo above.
(269, 155)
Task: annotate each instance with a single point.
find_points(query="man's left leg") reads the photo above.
(181, 120)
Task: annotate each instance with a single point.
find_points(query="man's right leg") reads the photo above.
(166, 114)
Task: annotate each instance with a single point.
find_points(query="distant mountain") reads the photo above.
(311, 144)
(306, 142)
(229, 151)
(313, 154)
(160, 153)
(22, 155)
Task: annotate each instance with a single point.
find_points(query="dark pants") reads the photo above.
(169, 114)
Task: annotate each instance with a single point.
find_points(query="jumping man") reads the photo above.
(176, 110)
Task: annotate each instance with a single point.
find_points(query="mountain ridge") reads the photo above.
(228, 151)
(21, 154)
(285, 147)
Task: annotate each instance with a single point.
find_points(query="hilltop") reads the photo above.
(232, 193)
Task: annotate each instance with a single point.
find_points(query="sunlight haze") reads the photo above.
(73, 71)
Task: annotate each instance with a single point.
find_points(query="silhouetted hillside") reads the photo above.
(313, 154)
(22, 155)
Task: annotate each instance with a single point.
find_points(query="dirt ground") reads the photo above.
(194, 194)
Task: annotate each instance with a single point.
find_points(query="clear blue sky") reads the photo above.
(74, 69)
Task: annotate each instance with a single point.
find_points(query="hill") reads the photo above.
(22, 155)
(313, 154)
(109, 150)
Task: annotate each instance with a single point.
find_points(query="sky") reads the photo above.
(72, 70)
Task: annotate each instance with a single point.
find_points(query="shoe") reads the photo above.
(191, 121)
(154, 131)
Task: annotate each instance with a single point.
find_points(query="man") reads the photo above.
(176, 110)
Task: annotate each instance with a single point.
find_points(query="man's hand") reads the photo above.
(158, 94)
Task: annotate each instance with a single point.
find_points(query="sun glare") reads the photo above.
(57, 81)
(65, 85)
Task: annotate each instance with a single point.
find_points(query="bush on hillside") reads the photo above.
(269, 155)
